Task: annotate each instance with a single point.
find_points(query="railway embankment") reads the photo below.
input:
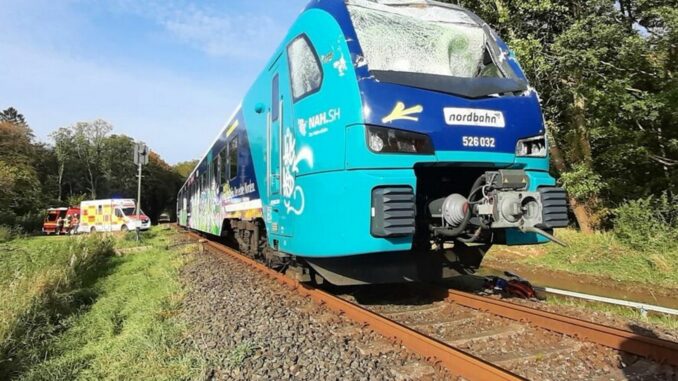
(600, 258)
(247, 326)
(82, 308)
(597, 264)
(109, 307)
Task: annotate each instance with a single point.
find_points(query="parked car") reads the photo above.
(164, 218)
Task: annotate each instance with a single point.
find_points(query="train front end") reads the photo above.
(452, 154)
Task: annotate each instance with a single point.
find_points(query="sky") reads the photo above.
(166, 72)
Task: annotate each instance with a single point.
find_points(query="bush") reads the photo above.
(6, 234)
(581, 182)
(30, 222)
(648, 223)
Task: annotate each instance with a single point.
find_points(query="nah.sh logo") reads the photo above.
(459, 116)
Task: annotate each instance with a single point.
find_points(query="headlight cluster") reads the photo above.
(389, 140)
(535, 146)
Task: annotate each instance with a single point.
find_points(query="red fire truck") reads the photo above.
(61, 220)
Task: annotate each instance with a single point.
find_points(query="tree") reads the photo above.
(160, 187)
(21, 189)
(13, 116)
(88, 143)
(185, 168)
(63, 149)
(605, 72)
(118, 168)
(16, 142)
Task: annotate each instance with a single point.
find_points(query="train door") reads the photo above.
(277, 116)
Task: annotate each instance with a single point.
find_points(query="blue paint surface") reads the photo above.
(316, 200)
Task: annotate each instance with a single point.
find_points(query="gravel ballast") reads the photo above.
(248, 327)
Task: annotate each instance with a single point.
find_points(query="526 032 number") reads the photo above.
(477, 141)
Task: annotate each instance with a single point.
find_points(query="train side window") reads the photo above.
(217, 171)
(210, 173)
(223, 166)
(233, 157)
(214, 172)
(275, 97)
(306, 74)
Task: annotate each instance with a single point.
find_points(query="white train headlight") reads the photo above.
(389, 140)
(535, 146)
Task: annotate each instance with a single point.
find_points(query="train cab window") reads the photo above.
(306, 74)
(275, 97)
(233, 158)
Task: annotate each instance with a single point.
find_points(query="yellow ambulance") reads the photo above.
(111, 216)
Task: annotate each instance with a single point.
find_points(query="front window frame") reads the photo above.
(492, 44)
(316, 57)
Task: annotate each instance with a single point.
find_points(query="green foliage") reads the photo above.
(76, 199)
(663, 320)
(581, 182)
(108, 319)
(603, 254)
(240, 353)
(605, 72)
(648, 224)
(6, 234)
(185, 168)
(21, 193)
(30, 222)
(94, 163)
(40, 279)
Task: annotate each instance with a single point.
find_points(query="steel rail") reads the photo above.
(659, 350)
(457, 362)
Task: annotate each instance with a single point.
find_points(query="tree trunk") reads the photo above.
(582, 139)
(92, 189)
(60, 179)
(581, 214)
(665, 167)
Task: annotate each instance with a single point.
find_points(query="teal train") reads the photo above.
(384, 141)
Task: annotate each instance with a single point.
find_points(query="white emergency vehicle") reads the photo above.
(111, 216)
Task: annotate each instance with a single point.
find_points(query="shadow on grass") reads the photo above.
(30, 338)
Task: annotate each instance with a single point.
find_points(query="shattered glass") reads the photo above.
(305, 71)
(413, 36)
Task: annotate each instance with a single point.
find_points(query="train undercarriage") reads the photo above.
(453, 224)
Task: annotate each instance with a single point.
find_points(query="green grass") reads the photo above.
(241, 352)
(603, 255)
(114, 318)
(40, 282)
(665, 321)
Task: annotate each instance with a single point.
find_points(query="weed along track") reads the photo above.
(480, 338)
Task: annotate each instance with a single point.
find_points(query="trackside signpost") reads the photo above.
(141, 154)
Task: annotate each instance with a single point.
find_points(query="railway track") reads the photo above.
(480, 338)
